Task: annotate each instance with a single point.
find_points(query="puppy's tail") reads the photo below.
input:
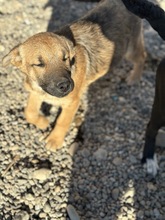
(151, 12)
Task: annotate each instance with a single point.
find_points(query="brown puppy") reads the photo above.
(60, 66)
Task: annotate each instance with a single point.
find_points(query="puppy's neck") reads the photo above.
(66, 32)
(98, 48)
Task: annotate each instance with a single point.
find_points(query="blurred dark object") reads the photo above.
(157, 120)
(154, 14)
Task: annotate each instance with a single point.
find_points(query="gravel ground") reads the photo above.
(99, 172)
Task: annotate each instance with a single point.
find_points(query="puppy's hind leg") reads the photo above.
(136, 54)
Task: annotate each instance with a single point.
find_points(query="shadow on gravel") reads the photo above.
(108, 181)
(56, 19)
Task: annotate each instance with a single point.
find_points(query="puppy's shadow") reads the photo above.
(66, 13)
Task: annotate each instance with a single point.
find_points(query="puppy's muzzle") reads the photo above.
(59, 87)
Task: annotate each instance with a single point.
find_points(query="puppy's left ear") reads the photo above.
(13, 57)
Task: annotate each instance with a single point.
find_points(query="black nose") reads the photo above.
(63, 85)
(59, 87)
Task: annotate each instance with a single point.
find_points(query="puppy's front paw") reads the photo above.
(53, 143)
(42, 122)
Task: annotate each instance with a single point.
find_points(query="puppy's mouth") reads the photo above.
(58, 88)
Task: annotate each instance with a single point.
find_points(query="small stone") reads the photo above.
(21, 181)
(73, 215)
(115, 193)
(57, 189)
(29, 197)
(85, 152)
(37, 207)
(42, 215)
(31, 182)
(117, 161)
(63, 205)
(151, 186)
(102, 214)
(133, 159)
(121, 99)
(156, 213)
(21, 216)
(100, 154)
(15, 147)
(47, 208)
(59, 199)
(147, 213)
(73, 148)
(41, 174)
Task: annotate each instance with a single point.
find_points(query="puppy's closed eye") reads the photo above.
(39, 65)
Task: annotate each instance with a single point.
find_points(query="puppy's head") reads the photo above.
(47, 60)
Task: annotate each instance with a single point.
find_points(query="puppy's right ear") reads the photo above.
(13, 57)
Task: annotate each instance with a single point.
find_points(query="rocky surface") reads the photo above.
(98, 175)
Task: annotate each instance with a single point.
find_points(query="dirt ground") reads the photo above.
(103, 179)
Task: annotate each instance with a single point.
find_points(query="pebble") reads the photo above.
(100, 154)
(95, 171)
(117, 161)
(23, 215)
(22, 181)
(42, 215)
(115, 193)
(57, 189)
(73, 148)
(41, 174)
(85, 152)
(156, 212)
(29, 197)
(47, 208)
(73, 215)
(151, 186)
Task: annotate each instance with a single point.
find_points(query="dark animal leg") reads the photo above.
(157, 119)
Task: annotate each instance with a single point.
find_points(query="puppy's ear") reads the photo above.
(13, 57)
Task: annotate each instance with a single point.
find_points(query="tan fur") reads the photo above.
(93, 52)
